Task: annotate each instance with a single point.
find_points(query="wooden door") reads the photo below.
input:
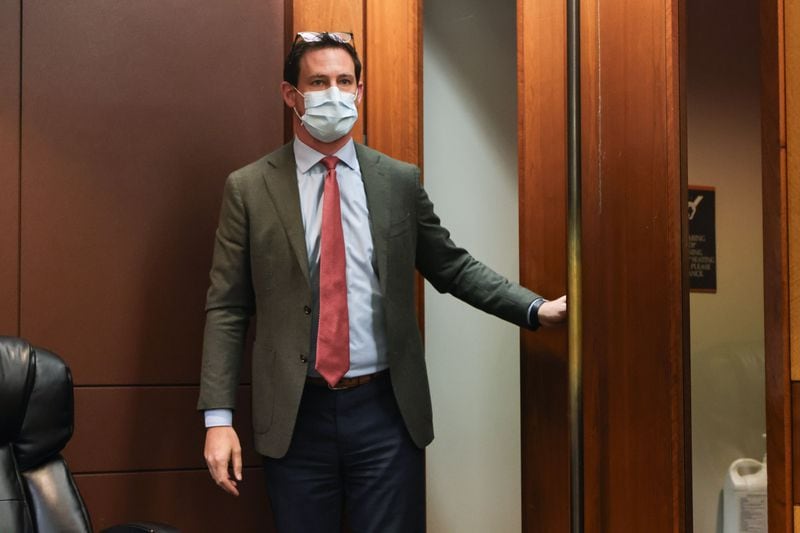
(634, 300)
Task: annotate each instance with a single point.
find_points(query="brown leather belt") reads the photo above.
(348, 383)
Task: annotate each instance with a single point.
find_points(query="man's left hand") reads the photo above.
(553, 312)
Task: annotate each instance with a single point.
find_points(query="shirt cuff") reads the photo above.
(533, 313)
(218, 417)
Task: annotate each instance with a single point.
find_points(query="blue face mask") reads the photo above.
(330, 114)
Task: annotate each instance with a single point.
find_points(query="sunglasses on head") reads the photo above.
(344, 37)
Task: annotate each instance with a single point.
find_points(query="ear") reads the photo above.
(289, 94)
(360, 92)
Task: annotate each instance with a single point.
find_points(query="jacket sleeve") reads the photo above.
(452, 269)
(229, 304)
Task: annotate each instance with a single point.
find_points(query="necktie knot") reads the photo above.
(330, 162)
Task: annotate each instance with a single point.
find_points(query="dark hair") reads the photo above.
(291, 67)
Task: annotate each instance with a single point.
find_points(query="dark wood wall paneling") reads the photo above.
(185, 498)
(133, 115)
(126, 413)
(634, 314)
(9, 166)
(541, 78)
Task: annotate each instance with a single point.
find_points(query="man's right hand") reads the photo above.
(223, 453)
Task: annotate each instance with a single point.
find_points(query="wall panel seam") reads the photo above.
(80, 474)
(19, 175)
(143, 385)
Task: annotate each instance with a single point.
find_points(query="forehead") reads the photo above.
(327, 62)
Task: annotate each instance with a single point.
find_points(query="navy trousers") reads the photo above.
(350, 453)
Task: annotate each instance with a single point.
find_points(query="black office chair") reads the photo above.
(37, 491)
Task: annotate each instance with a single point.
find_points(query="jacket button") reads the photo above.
(307, 310)
(303, 359)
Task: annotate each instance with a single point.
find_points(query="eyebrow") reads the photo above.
(325, 77)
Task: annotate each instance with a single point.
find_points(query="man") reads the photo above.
(320, 239)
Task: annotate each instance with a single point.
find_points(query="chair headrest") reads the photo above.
(16, 381)
(36, 395)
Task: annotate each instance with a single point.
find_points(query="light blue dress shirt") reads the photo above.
(364, 297)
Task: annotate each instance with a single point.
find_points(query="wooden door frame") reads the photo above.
(776, 267)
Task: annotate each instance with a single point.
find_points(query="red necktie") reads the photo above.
(333, 335)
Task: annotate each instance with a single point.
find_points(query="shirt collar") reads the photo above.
(306, 157)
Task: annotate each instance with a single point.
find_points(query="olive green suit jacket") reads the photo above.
(260, 267)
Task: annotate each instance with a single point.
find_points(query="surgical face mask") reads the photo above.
(330, 114)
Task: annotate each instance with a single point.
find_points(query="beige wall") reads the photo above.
(727, 329)
(470, 127)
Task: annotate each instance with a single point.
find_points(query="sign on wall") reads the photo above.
(702, 239)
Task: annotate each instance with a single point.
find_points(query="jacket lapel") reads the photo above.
(376, 187)
(280, 178)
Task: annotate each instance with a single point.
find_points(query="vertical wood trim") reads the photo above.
(635, 306)
(792, 27)
(677, 159)
(393, 88)
(541, 86)
(679, 47)
(10, 71)
(776, 297)
(795, 436)
(797, 519)
(343, 15)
